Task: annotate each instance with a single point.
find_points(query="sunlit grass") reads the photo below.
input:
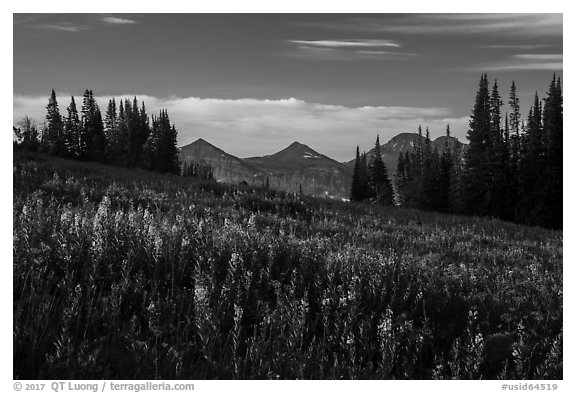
(123, 274)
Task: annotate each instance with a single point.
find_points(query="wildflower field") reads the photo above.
(125, 274)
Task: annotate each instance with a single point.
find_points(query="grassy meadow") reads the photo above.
(125, 274)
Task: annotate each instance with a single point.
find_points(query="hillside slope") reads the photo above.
(121, 274)
(291, 169)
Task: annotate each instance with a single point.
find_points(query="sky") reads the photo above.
(253, 83)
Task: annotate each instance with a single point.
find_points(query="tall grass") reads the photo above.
(123, 274)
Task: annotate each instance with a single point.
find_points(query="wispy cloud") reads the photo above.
(539, 66)
(523, 62)
(515, 46)
(339, 54)
(347, 43)
(346, 50)
(524, 25)
(259, 127)
(539, 57)
(117, 20)
(62, 26)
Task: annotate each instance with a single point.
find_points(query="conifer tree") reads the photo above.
(92, 138)
(380, 182)
(428, 178)
(531, 208)
(456, 203)
(366, 190)
(444, 175)
(143, 131)
(355, 191)
(553, 140)
(27, 134)
(498, 156)
(53, 134)
(408, 194)
(161, 147)
(401, 180)
(72, 127)
(476, 177)
(122, 157)
(112, 133)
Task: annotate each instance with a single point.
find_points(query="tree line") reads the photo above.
(512, 168)
(126, 136)
(370, 180)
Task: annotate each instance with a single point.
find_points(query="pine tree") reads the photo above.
(355, 191)
(143, 132)
(401, 180)
(72, 127)
(531, 205)
(514, 126)
(445, 171)
(122, 157)
(455, 195)
(380, 181)
(366, 190)
(53, 134)
(92, 138)
(27, 133)
(112, 133)
(498, 159)
(161, 147)
(428, 179)
(408, 195)
(476, 176)
(553, 140)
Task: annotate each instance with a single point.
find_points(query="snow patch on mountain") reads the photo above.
(310, 155)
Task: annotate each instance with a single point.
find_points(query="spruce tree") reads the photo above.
(476, 176)
(365, 187)
(531, 204)
(112, 132)
(445, 171)
(553, 140)
(498, 159)
(355, 191)
(53, 141)
(122, 158)
(455, 195)
(92, 138)
(27, 133)
(401, 180)
(380, 182)
(161, 145)
(408, 194)
(73, 129)
(427, 196)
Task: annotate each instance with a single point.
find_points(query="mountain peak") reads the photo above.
(201, 140)
(297, 144)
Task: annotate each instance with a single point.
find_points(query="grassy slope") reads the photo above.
(126, 274)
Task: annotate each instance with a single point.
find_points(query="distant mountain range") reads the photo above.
(297, 166)
(406, 142)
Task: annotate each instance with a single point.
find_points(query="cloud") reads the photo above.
(518, 25)
(117, 21)
(250, 127)
(346, 43)
(345, 50)
(524, 62)
(542, 66)
(540, 57)
(63, 26)
(515, 46)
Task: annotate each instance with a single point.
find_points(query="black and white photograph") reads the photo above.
(287, 196)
